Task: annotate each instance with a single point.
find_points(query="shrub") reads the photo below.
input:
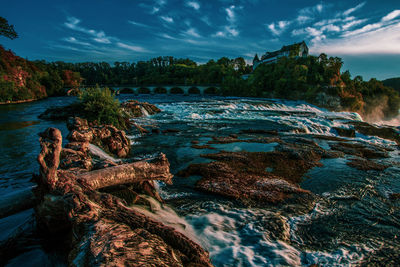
(100, 105)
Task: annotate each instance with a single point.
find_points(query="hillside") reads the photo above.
(393, 82)
(21, 79)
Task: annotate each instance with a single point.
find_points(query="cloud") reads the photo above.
(193, 4)
(192, 32)
(206, 20)
(98, 36)
(392, 15)
(167, 19)
(131, 47)
(230, 12)
(279, 27)
(353, 9)
(309, 11)
(73, 40)
(365, 42)
(138, 24)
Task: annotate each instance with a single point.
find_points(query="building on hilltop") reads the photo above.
(292, 51)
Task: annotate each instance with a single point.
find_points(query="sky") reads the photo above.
(365, 34)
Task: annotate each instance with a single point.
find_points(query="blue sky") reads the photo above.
(366, 34)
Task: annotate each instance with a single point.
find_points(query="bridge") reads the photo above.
(168, 89)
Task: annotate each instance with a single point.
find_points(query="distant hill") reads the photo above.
(393, 82)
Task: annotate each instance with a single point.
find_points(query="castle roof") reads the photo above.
(283, 49)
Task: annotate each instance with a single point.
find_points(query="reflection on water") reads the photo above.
(8, 126)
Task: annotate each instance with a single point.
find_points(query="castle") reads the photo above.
(294, 50)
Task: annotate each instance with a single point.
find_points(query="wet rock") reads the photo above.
(202, 147)
(395, 196)
(259, 131)
(244, 175)
(366, 165)
(76, 123)
(346, 132)
(361, 150)
(170, 131)
(60, 113)
(137, 109)
(80, 136)
(156, 131)
(113, 140)
(386, 132)
(108, 137)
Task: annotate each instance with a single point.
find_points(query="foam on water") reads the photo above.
(98, 152)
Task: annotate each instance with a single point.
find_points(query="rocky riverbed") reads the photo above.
(256, 182)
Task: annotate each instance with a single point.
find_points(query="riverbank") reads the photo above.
(18, 102)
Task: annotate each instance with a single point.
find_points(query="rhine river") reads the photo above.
(353, 221)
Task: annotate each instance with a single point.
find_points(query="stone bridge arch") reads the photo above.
(126, 90)
(144, 90)
(194, 90)
(160, 90)
(176, 90)
(211, 90)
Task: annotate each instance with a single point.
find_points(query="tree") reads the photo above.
(6, 29)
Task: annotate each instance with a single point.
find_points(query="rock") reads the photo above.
(170, 131)
(156, 131)
(366, 165)
(108, 137)
(395, 196)
(386, 132)
(114, 140)
(202, 147)
(76, 123)
(259, 131)
(60, 113)
(361, 150)
(137, 109)
(80, 136)
(345, 132)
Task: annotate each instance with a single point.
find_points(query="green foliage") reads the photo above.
(7, 30)
(100, 105)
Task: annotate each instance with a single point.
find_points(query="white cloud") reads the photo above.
(353, 23)
(309, 11)
(131, 47)
(138, 24)
(192, 32)
(230, 12)
(101, 38)
(391, 16)
(98, 36)
(73, 40)
(193, 4)
(167, 36)
(379, 41)
(167, 19)
(206, 20)
(279, 27)
(353, 9)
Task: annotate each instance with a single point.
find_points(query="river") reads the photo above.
(353, 221)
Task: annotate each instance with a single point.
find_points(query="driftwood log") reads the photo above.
(104, 230)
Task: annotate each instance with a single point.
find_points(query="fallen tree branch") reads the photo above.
(157, 169)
